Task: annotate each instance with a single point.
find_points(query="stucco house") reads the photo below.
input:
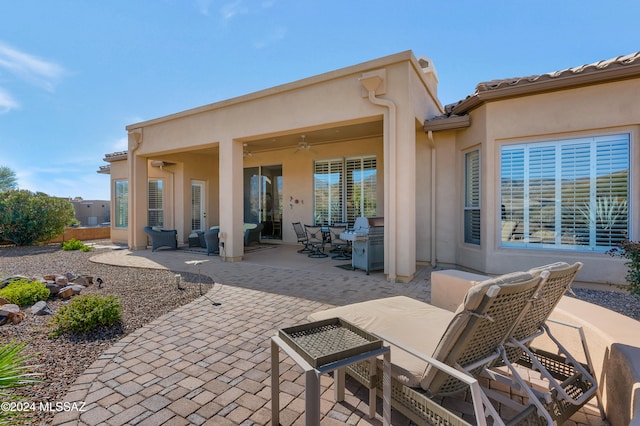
(520, 173)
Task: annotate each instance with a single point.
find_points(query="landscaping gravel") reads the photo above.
(145, 294)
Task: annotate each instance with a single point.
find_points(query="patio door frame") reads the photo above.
(263, 198)
(202, 214)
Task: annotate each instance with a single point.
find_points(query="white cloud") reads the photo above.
(36, 71)
(273, 37)
(230, 10)
(7, 102)
(203, 6)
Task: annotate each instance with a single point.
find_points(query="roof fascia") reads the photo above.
(309, 81)
(449, 123)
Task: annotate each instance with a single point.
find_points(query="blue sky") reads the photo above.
(74, 73)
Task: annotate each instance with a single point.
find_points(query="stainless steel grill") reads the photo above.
(367, 239)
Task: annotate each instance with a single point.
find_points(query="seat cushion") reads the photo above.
(407, 321)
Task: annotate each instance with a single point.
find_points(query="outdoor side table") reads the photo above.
(321, 347)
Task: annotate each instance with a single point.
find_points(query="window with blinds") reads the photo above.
(121, 203)
(472, 197)
(344, 189)
(196, 207)
(155, 203)
(569, 194)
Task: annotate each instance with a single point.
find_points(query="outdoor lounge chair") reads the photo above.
(577, 384)
(252, 233)
(430, 346)
(162, 238)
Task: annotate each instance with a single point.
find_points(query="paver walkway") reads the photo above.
(207, 364)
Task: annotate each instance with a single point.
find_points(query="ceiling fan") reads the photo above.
(245, 150)
(303, 145)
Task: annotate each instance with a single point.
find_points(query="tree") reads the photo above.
(8, 179)
(27, 218)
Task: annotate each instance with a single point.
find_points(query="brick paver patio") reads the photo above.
(206, 364)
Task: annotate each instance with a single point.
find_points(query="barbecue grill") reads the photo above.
(367, 241)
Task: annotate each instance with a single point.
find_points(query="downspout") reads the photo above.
(371, 81)
(433, 198)
(173, 194)
(135, 140)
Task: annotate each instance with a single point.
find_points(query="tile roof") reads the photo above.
(620, 67)
(608, 64)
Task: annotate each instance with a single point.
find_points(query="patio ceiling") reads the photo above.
(334, 134)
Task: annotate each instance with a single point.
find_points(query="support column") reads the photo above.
(403, 182)
(231, 201)
(138, 188)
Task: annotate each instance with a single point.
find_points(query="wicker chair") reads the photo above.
(212, 242)
(427, 343)
(162, 238)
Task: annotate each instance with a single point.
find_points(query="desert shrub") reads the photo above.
(630, 250)
(74, 244)
(24, 292)
(86, 313)
(27, 218)
(13, 374)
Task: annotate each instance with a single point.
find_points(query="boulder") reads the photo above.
(41, 308)
(16, 317)
(6, 281)
(84, 280)
(9, 309)
(53, 288)
(49, 277)
(65, 293)
(61, 281)
(3, 301)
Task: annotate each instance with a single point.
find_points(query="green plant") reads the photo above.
(74, 244)
(24, 292)
(13, 374)
(87, 312)
(630, 250)
(27, 218)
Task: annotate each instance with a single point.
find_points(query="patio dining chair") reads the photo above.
(338, 244)
(302, 237)
(316, 241)
(436, 353)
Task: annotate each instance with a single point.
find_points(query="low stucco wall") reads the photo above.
(613, 341)
(84, 234)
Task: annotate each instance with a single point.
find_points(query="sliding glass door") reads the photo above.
(263, 198)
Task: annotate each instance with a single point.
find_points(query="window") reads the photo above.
(472, 197)
(344, 189)
(156, 204)
(569, 194)
(121, 203)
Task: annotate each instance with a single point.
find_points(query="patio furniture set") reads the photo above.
(314, 238)
(206, 239)
(437, 353)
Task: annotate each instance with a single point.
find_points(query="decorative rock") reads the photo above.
(50, 277)
(41, 308)
(77, 288)
(16, 318)
(3, 319)
(6, 281)
(70, 276)
(61, 281)
(53, 288)
(3, 301)
(84, 280)
(9, 309)
(65, 292)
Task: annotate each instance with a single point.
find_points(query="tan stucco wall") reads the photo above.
(585, 111)
(326, 101)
